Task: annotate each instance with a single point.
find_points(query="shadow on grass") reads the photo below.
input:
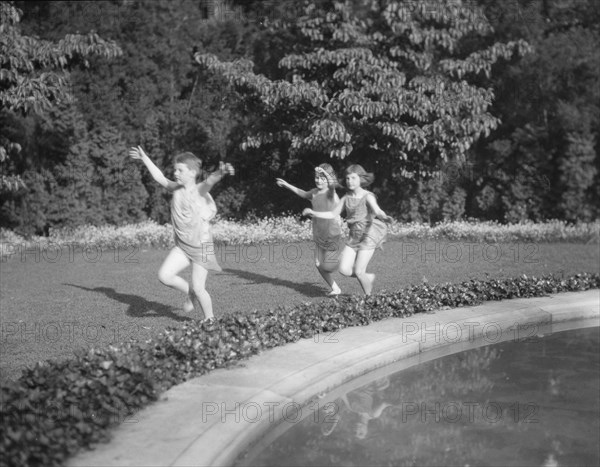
(138, 307)
(305, 288)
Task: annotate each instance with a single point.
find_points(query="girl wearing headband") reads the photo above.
(326, 232)
(365, 221)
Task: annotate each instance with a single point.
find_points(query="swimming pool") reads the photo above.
(529, 401)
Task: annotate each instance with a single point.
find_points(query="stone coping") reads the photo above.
(210, 420)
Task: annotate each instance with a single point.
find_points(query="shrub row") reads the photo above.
(56, 408)
(292, 229)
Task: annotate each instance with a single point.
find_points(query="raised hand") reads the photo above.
(281, 182)
(226, 168)
(137, 153)
(387, 219)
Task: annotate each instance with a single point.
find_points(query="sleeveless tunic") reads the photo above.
(326, 232)
(191, 213)
(366, 231)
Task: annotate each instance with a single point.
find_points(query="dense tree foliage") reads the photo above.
(543, 161)
(462, 109)
(391, 85)
(34, 74)
(386, 77)
(152, 94)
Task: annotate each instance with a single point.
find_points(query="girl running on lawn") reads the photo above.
(326, 232)
(364, 218)
(192, 207)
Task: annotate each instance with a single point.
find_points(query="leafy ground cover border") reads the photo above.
(57, 408)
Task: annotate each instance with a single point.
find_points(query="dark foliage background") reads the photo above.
(540, 163)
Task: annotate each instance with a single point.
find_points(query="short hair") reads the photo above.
(190, 160)
(366, 178)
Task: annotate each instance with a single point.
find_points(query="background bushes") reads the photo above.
(541, 162)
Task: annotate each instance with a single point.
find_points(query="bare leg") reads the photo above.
(347, 258)
(325, 267)
(199, 275)
(360, 270)
(174, 263)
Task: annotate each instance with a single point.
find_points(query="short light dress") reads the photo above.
(367, 399)
(326, 232)
(191, 213)
(366, 231)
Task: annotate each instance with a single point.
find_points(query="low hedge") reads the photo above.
(293, 229)
(58, 407)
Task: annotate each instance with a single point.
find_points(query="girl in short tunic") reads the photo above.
(366, 231)
(326, 232)
(192, 208)
(364, 218)
(191, 213)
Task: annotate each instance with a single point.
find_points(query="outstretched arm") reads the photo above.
(379, 213)
(139, 154)
(333, 214)
(303, 194)
(215, 177)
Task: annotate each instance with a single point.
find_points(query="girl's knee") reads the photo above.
(164, 277)
(327, 268)
(198, 290)
(346, 271)
(359, 271)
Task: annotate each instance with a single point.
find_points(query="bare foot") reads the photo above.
(188, 306)
(369, 280)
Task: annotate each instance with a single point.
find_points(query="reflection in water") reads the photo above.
(365, 403)
(514, 403)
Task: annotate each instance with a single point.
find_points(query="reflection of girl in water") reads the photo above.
(366, 402)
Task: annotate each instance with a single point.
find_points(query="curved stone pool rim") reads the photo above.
(210, 420)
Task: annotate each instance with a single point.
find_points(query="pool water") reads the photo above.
(531, 402)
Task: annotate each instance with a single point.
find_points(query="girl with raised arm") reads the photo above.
(192, 208)
(365, 221)
(326, 232)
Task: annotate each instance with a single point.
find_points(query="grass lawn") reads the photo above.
(53, 303)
